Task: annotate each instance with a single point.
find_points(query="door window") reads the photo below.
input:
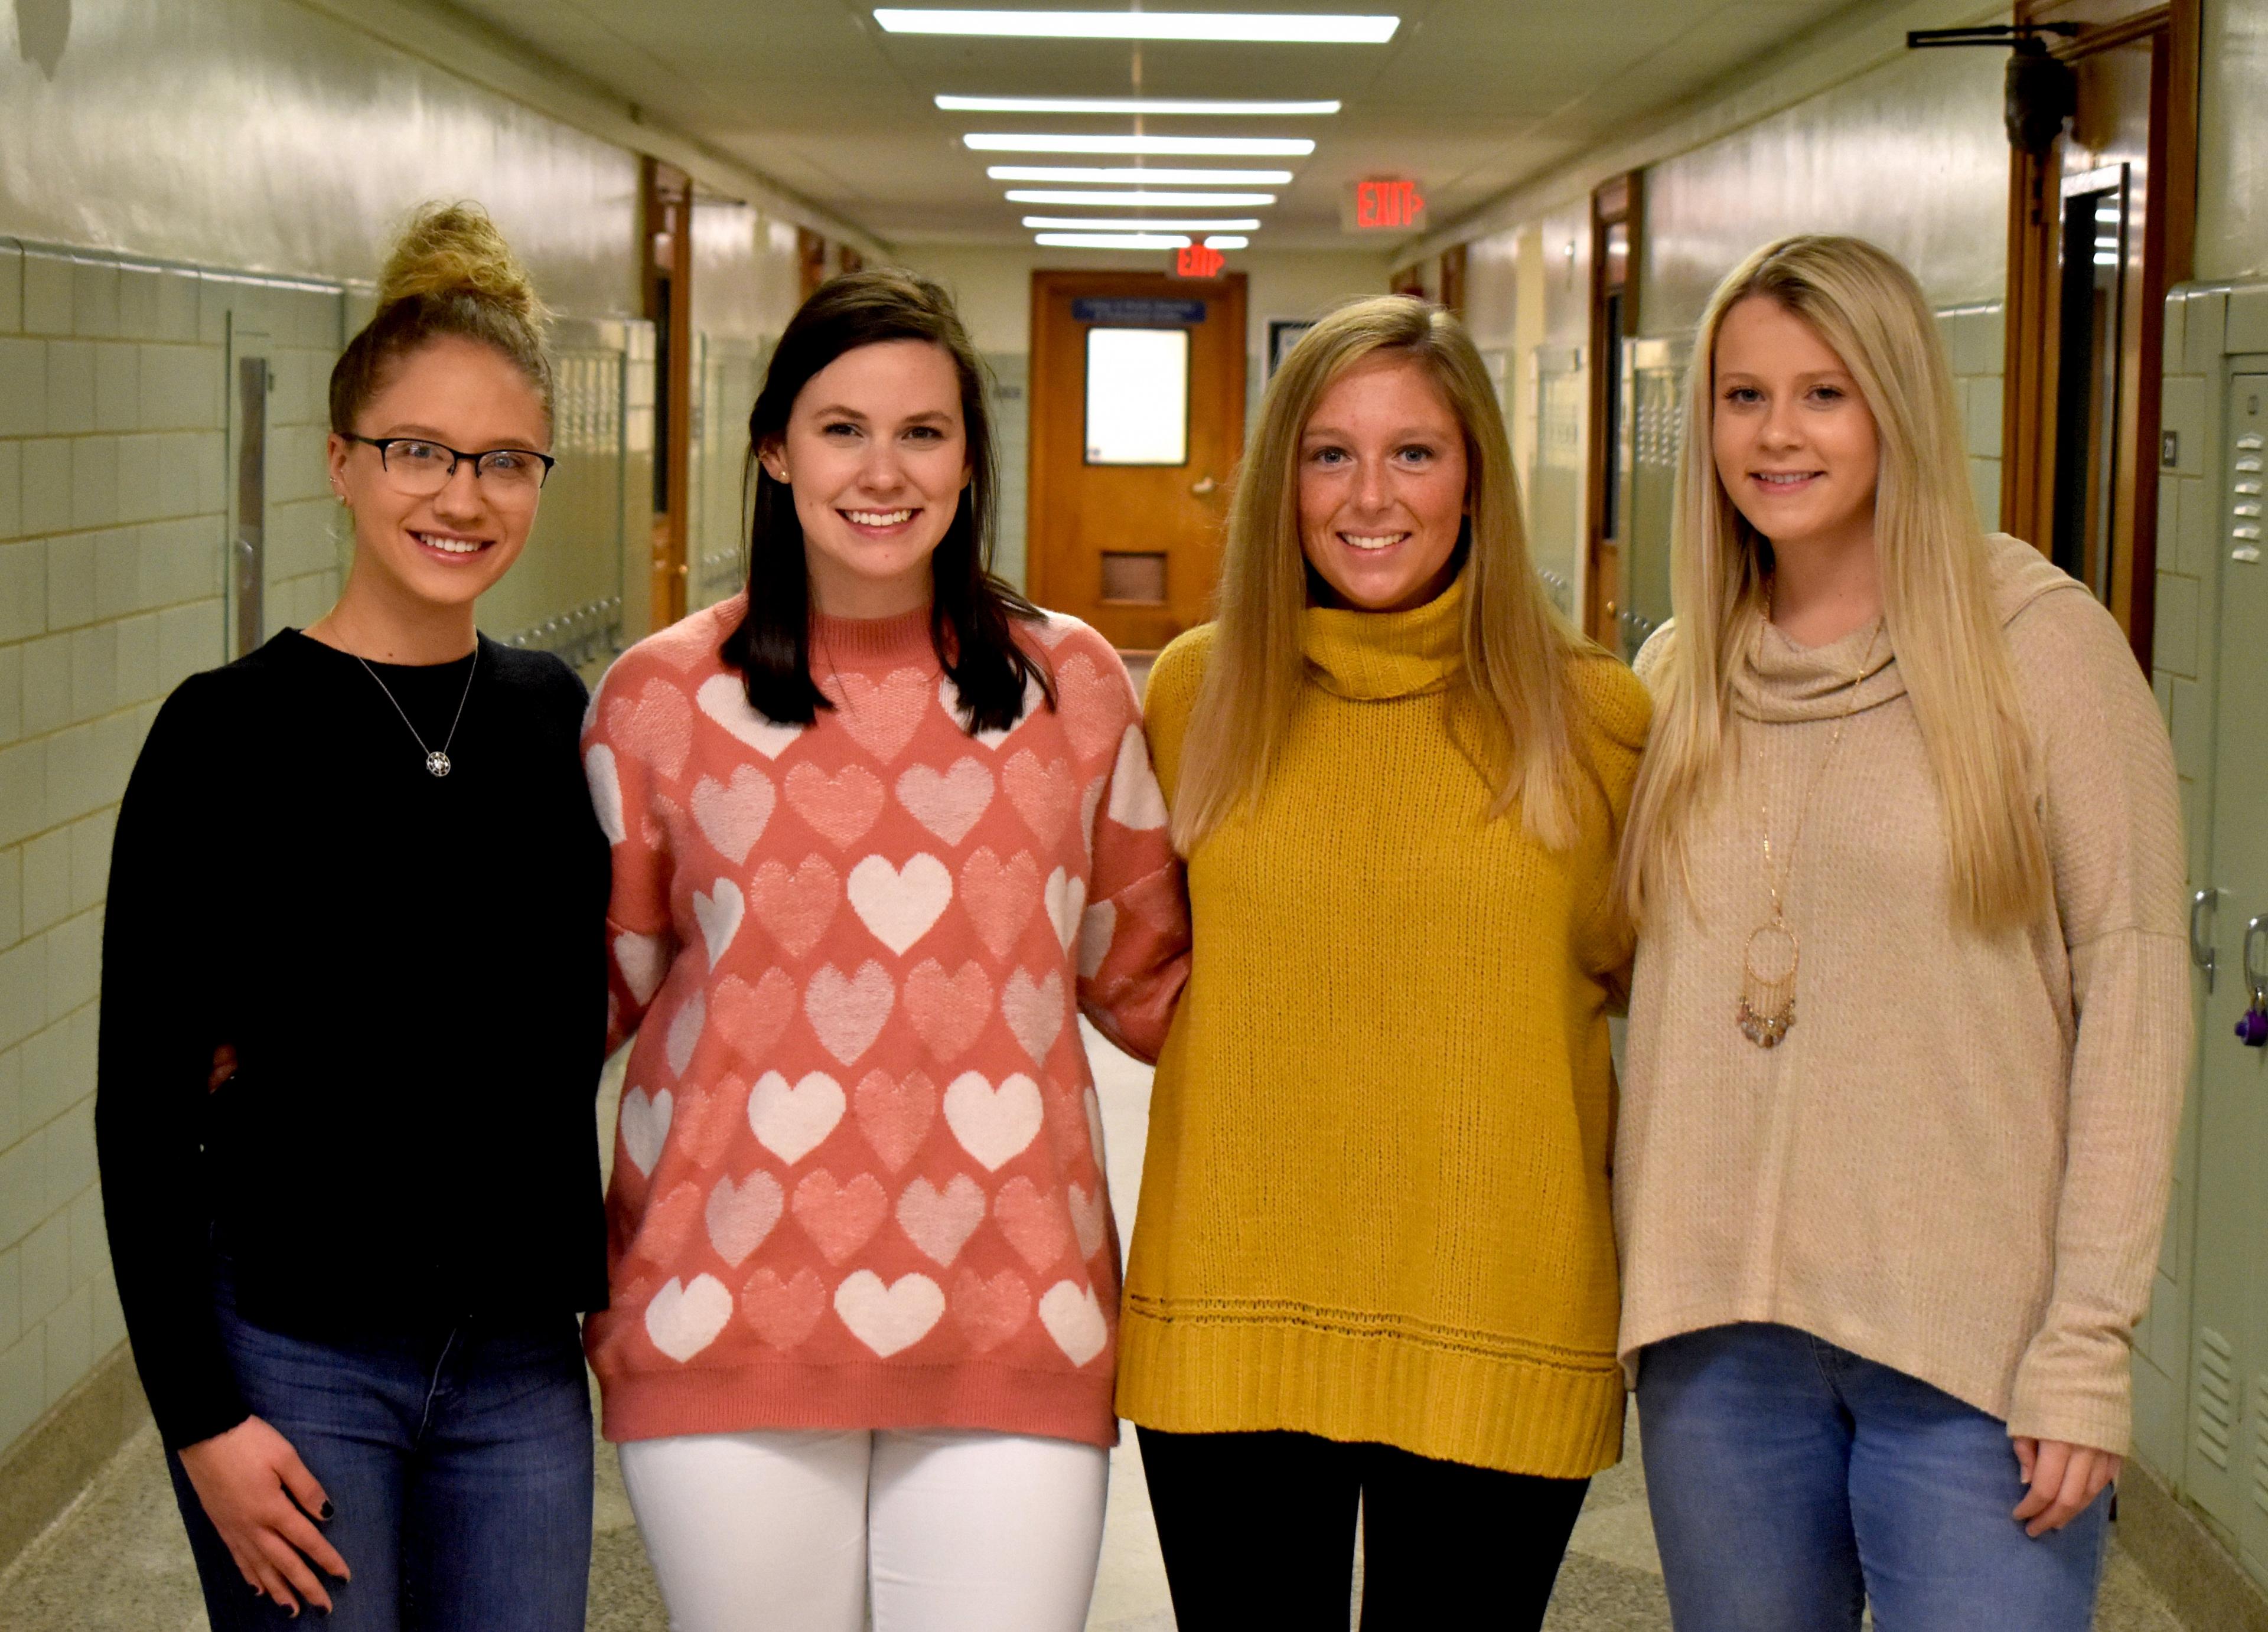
(2092, 347)
(1138, 396)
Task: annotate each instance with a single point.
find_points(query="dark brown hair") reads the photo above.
(450, 273)
(972, 612)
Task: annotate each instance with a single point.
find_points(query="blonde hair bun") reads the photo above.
(454, 252)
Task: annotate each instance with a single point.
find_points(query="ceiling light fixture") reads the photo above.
(1073, 224)
(1111, 240)
(1140, 200)
(1137, 178)
(1282, 27)
(1252, 147)
(1126, 105)
(1228, 241)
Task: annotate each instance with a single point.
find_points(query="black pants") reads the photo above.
(1258, 1531)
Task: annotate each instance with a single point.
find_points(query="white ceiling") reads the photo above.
(1470, 96)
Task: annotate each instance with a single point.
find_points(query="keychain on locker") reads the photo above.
(2252, 1027)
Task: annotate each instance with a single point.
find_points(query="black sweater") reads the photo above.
(412, 970)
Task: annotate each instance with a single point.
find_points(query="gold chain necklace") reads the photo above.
(1768, 993)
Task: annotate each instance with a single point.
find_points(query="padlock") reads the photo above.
(2252, 1029)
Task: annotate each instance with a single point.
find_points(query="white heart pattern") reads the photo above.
(848, 1011)
(718, 914)
(1066, 899)
(1095, 929)
(740, 1217)
(1089, 802)
(684, 1031)
(1134, 800)
(1035, 700)
(1074, 1319)
(605, 791)
(993, 1125)
(888, 1318)
(1088, 1215)
(724, 701)
(901, 904)
(948, 803)
(1094, 1131)
(791, 1123)
(684, 1319)
(1034, 1011)
(643, 959)
(733, 815)
(645, 1124)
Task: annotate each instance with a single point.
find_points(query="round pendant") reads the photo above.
(438, 762)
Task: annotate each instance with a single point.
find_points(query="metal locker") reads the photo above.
(2227, 1454)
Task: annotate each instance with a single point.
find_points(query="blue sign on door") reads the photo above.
(1137, 311)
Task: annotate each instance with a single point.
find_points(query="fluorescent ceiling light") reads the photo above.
(1231, 241)
(1141, 201)
(1255, 147)
(1124, 104)
(1288, 27)
(1111, 240)
(1139, 177)
(1072, 223)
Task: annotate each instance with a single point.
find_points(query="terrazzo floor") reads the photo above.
(117, 1561)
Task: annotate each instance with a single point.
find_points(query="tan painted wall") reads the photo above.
(256, 134)
(1911, 156)
(2233, 143)
(183, 183)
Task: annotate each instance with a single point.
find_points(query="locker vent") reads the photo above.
(2216, 1396)
(2260, 1440)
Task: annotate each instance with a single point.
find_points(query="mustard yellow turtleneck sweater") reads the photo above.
(1374, 1206)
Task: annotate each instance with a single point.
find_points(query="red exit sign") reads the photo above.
(1391, 204)
(1197, 261)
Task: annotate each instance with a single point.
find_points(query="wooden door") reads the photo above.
(2098, 229)
(1136, 423)
(1615, 212)
(2224, 1470)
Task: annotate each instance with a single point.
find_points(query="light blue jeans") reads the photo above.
(1792, 1483)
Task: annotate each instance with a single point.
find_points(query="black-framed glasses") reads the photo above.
(421, 467)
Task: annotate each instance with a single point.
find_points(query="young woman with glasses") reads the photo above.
(359, 867)
(1910, 1014)
(882, 832)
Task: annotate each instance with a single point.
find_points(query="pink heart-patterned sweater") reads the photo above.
(857, 1177)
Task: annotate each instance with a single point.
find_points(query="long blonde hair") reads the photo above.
(1937, 599)
(1517, 646)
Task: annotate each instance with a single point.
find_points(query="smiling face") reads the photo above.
(1383, 475)
(443, 549)
(876, 453)
(1795, 442)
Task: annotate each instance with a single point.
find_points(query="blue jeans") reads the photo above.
(1793, 1482)
(459, 1461)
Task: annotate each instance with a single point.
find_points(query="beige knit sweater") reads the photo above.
(1957, 1164)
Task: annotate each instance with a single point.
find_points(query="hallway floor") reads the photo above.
(118, 1562)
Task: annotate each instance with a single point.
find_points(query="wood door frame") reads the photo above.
(2027, 438)
(666, 243)
(1620, 202)
(1235, 290)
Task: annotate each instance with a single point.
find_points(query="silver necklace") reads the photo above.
(437, 759)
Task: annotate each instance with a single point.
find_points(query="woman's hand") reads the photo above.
(259, 1494)
(2065, 1479)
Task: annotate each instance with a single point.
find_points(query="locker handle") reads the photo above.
(2201, 949)
(2255, 977)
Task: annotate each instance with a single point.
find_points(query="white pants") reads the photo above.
(955, 1530)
